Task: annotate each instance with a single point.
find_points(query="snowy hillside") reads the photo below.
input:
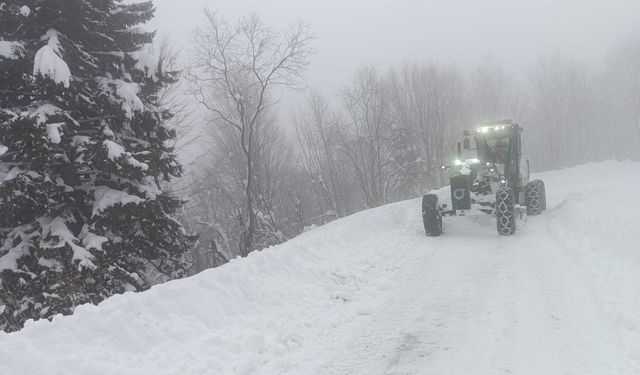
(371, 294)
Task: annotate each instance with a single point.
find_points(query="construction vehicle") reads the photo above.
(495, 181)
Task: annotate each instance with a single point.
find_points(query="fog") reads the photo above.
(462, 32)
(129, 158)
(398, 82)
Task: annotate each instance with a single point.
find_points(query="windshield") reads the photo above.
(494, 149)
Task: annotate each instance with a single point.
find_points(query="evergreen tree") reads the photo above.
(83, 153)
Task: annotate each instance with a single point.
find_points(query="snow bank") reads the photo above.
(224, 312)
(597, 221)
(286, 309)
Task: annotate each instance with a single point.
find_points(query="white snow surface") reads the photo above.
(371, 294)
(13, 173)
(44, 111)
(61, 236)
(8, 49)
(128, 92)
(115, 151)
(53, 132)
(25, 11)
(48, 61)
(106, 197)
(92, 240)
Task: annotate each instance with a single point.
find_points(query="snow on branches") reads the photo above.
(48, 61)
(9, 50)
(82, 159)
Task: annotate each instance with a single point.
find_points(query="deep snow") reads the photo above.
(370, 294)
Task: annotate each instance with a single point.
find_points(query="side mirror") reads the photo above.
(467, 144)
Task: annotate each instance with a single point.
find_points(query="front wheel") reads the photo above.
(505, 211)
(431, 217)
(536, 198)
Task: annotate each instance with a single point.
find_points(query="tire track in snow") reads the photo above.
(421, 323)
(491, 306)
(466, 317)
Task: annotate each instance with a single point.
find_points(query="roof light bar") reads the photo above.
(486, 129)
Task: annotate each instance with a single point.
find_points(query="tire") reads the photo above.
(543, 196)
(431, 217)
(505, 215)
(536, 199)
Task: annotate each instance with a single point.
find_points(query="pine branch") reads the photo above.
(25, 93)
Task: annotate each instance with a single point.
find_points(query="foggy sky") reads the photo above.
(463, 32)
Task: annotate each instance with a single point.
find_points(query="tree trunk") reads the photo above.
(248, 240)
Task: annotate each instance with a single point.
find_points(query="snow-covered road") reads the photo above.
(508, 306)
(371, 294)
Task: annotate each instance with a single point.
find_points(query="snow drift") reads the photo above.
(371, 294)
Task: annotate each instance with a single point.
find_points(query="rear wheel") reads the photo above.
(536, 199)
(431, 217)
(505, 216)
(543, 196)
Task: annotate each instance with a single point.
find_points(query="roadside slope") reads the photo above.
(370, 294)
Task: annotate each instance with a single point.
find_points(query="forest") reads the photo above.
(96, 112)
(266, 174)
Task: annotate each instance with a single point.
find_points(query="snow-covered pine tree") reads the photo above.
(83, 154)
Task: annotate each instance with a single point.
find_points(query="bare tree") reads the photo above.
(317, 133)
(622, 78)
(207, 213)
(365, 137)
(174, 98)
(235, 71)
(493, 95)
(562, 114)
(428, 104)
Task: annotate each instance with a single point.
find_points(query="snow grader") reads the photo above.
(495, 181)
